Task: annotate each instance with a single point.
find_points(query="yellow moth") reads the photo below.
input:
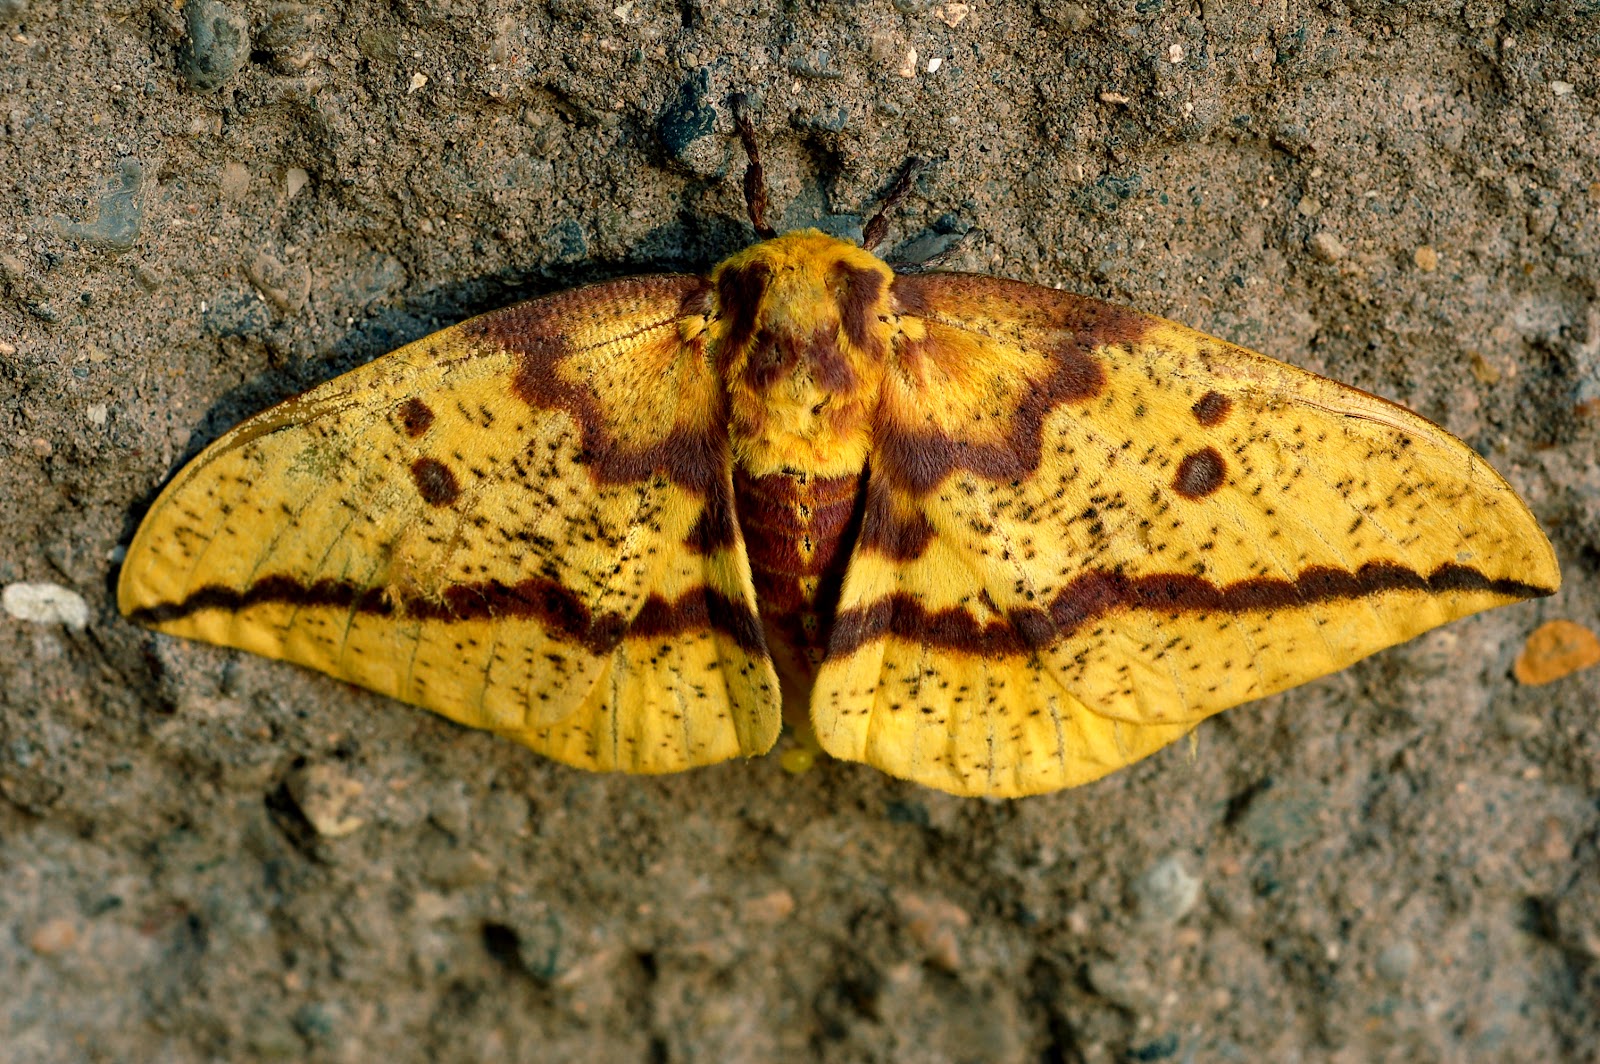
(984, 535)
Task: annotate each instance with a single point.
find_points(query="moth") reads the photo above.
(984, 535)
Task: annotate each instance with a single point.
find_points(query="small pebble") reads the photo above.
(1396, 961)
(316, 1021)
(827, 120)
(1074, 18)
(234, 181)
(934, 925)
(378, 45)
(1555, 650)
(1515, 724)
(1426, 258)
(773, 908)
(46, 604)
(908, 64)
(97, 413)
(294, 179)
(1281, 817)
(1486, 372)
(455, 869)
(1165, 893)
(927, 245)
(286, 287)
(1326, 247)
(816, 64)
(1162, 1048)
(368, 278)
(283, 37)
(952, 15)
(53, 936)
(451, 809)
(1123, 982)
(1309, 207)
(326, 796)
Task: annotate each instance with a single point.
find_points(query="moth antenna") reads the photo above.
(878, 227)
(755, 181)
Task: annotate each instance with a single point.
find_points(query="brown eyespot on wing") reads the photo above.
(1088, 529)
(523, 522)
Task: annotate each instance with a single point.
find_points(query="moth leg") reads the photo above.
(878, 226)
(755, 180)
(940, 259)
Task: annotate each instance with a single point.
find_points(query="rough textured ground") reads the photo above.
(206, 209)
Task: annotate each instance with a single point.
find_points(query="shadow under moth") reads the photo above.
(984, 535)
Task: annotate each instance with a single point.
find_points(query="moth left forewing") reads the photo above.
(493, 523)
(1152, 525)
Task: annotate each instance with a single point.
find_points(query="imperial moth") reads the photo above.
(988, 536)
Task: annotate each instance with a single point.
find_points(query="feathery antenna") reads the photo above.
(755, 181)
(878, 227)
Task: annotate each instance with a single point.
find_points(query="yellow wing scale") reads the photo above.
(487, 532)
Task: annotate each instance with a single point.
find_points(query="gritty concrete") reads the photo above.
(208, 206)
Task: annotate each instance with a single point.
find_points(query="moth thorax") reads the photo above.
(801, 402)
(802, 337)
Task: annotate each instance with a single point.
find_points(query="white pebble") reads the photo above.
(46, 604)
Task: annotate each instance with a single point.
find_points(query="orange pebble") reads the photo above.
(1555, 650)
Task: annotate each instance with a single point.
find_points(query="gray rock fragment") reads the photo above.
(284, 285)
(1395, 963)
(118, 214)
(688, 128)
(368, 278)
(216, 45)
(1165, 893)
